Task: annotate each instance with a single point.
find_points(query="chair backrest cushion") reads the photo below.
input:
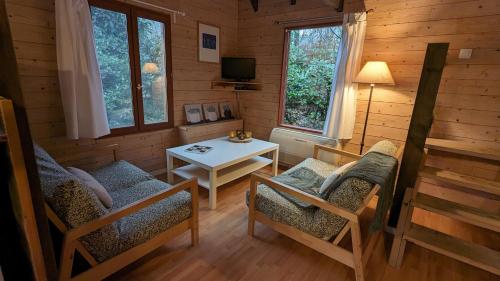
(75, 204)
(96, 187)
(120, 175)
(385, 147)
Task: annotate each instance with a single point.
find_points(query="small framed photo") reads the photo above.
(211, 111)
(226, 110)
(208, 43)
(194, 114)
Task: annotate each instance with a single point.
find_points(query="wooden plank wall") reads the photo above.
(259, 37)
(33, 30)
(468, 106)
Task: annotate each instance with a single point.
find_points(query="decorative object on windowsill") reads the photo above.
(240, 136)
(208, 43)
(226, 110)
(374, 72)
(211, 111)
(194, 114)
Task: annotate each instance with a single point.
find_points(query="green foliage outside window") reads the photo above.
(112, 49)
(311, 64)
(111, 42)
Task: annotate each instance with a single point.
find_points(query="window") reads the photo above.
(133, 53)
(308, 68)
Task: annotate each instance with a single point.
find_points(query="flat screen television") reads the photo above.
(239, 69)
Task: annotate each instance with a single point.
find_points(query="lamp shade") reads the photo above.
(150, 67)
(375, 72)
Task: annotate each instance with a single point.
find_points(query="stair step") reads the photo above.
(463, 148)
(466, 181)
(464, 251)
(459, 212)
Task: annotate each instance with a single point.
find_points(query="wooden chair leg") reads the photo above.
(251, 207)
(194, 218)
(357, 250)
(399, 244)
(66, 260)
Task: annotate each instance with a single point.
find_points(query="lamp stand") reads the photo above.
(366, 120)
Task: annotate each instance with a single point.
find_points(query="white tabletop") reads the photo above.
(224, 152)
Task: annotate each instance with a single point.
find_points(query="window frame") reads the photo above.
(133, 13)
(284, 73)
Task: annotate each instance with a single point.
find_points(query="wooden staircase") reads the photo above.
(465, 251)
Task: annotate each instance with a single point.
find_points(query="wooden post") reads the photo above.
(194, 208)
(251, 206)
(255, 5)
(420, 124)
(10, 88)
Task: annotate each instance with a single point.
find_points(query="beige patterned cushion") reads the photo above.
(385, 147)
(96, 187)
(323, 169)
(119, 175)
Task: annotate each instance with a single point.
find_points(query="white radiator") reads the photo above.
(296, 146)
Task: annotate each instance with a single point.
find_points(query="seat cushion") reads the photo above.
(150, 221)
(120, 175)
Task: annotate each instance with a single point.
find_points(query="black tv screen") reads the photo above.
(241, 69)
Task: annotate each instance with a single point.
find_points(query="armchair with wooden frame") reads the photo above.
(358, 257)
(100, 270)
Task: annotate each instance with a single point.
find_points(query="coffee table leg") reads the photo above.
(212, 192)
(170, 167)
(275, 161)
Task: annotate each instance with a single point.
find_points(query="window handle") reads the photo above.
(139, 86)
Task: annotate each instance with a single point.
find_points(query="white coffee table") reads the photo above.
(227, 161)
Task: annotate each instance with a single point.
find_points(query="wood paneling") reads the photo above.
(33, 30)
(468, 103)
(261, 38)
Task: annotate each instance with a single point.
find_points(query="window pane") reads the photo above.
(311, 63)
(111, 40)
(153, 70)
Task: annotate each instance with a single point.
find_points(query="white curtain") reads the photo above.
(79, 78)
(341, 114)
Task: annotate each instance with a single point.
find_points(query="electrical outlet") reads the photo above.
(465, 54)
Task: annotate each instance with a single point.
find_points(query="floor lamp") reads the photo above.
(374, 72)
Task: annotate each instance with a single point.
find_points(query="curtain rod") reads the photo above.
(174, 12)
(281, 22)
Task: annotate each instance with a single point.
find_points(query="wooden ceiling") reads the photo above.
(338, 4)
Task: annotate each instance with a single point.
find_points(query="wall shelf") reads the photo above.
(237, 86)
(204, 131)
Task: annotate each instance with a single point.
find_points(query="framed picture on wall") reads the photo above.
(208, 43)
(211, 111)
(226, 110)
(194, 114)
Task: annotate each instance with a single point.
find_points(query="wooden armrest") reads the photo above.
(318, 147)
(299, 194)
(94, 225)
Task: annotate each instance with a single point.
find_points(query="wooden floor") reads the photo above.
(227, 253)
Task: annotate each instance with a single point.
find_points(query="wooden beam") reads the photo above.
(420, 123)
(11, 89)
(340, 8)
(255, 5)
